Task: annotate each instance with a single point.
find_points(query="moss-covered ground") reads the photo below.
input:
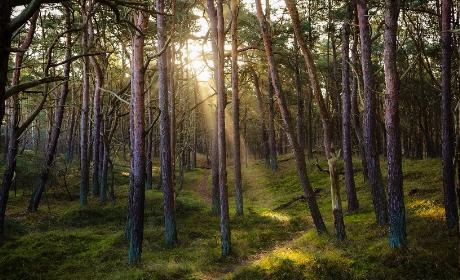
(64, 241)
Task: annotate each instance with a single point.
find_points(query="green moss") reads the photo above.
(64, 241)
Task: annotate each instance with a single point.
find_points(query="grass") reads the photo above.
(64, 241)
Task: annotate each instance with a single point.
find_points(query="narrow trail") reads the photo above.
(203, 189)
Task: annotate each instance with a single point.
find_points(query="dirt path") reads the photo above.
(203, 187)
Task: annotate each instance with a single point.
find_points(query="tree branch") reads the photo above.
(24, 86)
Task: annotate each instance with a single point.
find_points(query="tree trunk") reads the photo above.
(214, 146)
(287, 121)
(97, 122)
(450, 204)
(137, 181)
(236, 112)
(299, 97)
(326, 122)
(149, 144)
(396, 210)
(221, 141)
(13, 129)
(372, 159)
(57, 123)
(84, 153)
(271, 127)
(165, 137)
(260, 102)
(353, 203)
(5, 44)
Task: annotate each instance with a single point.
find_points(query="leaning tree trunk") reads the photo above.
(450, 204)
(326, 121)
(353, 203)
(287, 121)
(165, 130)
(372, 159)
(57, 123)
(13, 129)
(236, 112)
(396, 211)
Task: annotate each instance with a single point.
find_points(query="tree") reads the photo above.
(396, 211)
(137, 110)
(369, 127)
(353, 203)
(165, 130)
(86, 7)
(287, 122)
(448, 174)
(236, 111)
(57, 123)
(325, 119)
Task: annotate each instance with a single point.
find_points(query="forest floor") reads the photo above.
(64, 241)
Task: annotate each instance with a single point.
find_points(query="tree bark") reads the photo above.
(165, 137)
(214, 146)
(221, 141)
(287, 121)
(326, 122)
(396, 210)
(450, 204)
(369, 134)
(97, 122)
(84, 118)
(137, 181)
(353, 203)
(236, 112)
(5, 45)
(260, 102)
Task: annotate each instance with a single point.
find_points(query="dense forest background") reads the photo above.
(229, 139)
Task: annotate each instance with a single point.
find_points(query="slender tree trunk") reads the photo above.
(271, 127)
(326, 122)
(70, 139)
(165, 137)
(137, 182)
(353, 203)
(450, 204)
(97, 122)
(236, 112)
(287, 120)
(57, 123)
(221, 141)
(215, 150)
(372, 159)
(299, 97)
(149, 144)
(84, 123)
(396, 210)
(260, 102)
